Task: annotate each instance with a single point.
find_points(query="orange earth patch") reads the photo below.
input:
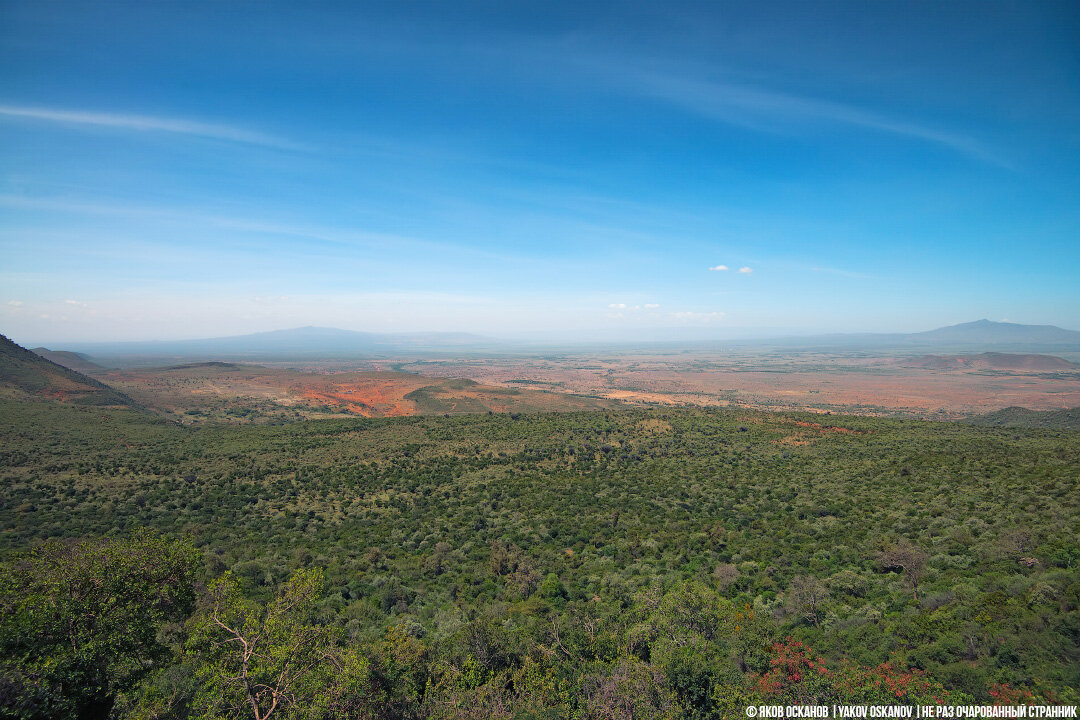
(829, 428)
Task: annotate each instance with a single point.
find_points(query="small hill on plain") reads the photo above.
(1018, 417)
(991, 361)
(210, 365)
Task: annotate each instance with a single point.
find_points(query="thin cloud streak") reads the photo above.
(343, 237)
(147, 123)
(766, 110)
(755, 108)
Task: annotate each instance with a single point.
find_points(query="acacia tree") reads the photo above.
(909, 559)
(273, 661)
(697, 639)
(79, 621)
(806, 595)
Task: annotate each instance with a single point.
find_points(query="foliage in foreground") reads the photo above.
(683, 652)
(79, 622)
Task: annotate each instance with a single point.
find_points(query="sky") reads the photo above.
(559, 169)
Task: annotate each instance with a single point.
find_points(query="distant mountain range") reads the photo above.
(303, 342)
(327, 343)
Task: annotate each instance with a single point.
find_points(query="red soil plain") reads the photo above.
(242, 392)
(928, 386)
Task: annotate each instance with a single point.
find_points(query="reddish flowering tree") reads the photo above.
(796, 676)
(1008, 695)
(888, 684)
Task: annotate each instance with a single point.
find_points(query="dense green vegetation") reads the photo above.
(639, 563)
(1068, 419)
(81, 620)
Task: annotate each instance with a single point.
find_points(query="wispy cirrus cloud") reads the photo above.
(343, 237)
(148, 123)
(753, 105)
(768, 110)
(335, 236)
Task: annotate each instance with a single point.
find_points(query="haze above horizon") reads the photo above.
(210, 169)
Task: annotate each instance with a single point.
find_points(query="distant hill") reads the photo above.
(71, 360)
(23, 372)
(988, 332)
(214, 364)
(978, 335)
(990, 361)
(1023, 418)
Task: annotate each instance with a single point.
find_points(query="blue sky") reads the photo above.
(191, 169)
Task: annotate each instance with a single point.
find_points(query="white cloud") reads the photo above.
(15, 303)
(75, 302)
(632, 308)
(719, 268)
(143, 123)
(697, 317)
(745, 270)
